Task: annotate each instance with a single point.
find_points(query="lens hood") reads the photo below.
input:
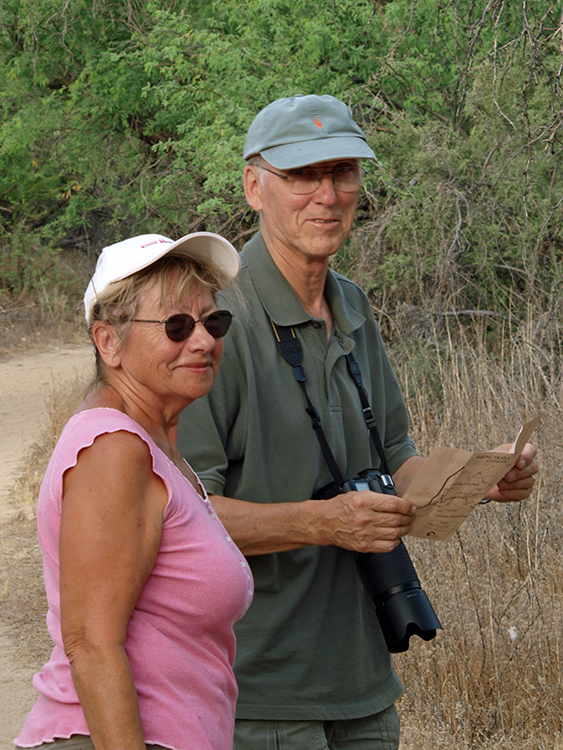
(405, 613)
(401, 605)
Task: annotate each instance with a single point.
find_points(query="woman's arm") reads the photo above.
(111, 526)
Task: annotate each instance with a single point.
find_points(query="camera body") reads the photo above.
(402, 607)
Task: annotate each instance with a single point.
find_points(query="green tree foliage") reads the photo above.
(467, 202)
(123, 116)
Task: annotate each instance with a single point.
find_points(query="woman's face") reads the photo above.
(171, 371)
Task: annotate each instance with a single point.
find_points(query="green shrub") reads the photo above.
(118, 118)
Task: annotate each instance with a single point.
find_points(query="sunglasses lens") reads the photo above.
(179, 327)
(218, 323)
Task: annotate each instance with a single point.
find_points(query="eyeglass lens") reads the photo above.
(180, 327)
(346, 178)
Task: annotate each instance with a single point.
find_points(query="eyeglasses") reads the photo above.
(181, 326)
(346, 178)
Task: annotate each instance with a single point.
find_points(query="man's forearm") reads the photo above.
(362, 521)
(260, 529)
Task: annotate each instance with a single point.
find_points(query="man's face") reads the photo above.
(313, 226)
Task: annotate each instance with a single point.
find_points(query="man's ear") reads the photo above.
(252, 187)
(107, 343)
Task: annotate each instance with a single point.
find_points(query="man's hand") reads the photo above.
(518, 483)
(365, 521)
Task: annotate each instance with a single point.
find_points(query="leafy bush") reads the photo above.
(123, 117)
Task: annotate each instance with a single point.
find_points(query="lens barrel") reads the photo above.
(402, 607)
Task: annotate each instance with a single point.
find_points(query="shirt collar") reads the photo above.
(280, 301)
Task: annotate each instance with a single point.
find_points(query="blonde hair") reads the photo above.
(175, 276)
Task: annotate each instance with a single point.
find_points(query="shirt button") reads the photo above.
(317, 324)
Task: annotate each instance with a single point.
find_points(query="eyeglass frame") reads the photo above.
(320, 173)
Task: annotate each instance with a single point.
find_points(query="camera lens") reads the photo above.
(402, 607)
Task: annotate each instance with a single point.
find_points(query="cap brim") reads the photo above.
(200, 246)
(207, 246)
(293, 155)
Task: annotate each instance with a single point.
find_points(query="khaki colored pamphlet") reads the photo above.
(452, 482)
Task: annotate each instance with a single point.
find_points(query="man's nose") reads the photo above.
(326, 191)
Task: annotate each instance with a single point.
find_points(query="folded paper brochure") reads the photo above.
(452, 482)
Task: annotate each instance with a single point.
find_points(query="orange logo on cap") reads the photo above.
(318, 123)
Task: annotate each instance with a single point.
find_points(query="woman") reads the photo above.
(143, 582)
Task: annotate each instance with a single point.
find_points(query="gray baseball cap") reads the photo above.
(300, 130)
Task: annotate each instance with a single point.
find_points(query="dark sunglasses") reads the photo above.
(180, 327)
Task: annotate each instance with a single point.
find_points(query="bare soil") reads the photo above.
(26, 381)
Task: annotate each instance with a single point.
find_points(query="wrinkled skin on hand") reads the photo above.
(366, 521)
(518, 483)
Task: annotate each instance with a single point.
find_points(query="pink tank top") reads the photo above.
(180, 640)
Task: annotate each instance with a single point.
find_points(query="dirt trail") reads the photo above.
(25, 383)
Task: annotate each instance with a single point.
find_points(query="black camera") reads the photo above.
(402, 607)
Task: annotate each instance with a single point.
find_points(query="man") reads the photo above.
(312, 665)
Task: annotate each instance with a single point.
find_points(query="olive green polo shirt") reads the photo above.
(310, 646)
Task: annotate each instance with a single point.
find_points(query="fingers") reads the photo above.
(368, 521)
(513, 491)
(522, 470)
(517, 479)
(528, 453)
(518, 483)
(521, 476)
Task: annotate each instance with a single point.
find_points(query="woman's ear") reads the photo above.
(107, 342)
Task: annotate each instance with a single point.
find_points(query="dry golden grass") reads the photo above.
(62, 402)
(492, 679)
(29, 321)
(22, 595)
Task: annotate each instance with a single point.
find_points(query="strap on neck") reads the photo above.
(354, 370)
(292, 351)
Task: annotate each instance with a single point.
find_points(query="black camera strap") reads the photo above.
(401, 605)
(354, 369)
(292, 351)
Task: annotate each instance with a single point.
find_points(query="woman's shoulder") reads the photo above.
(102, 419)
(115, 429)
(111, 434)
